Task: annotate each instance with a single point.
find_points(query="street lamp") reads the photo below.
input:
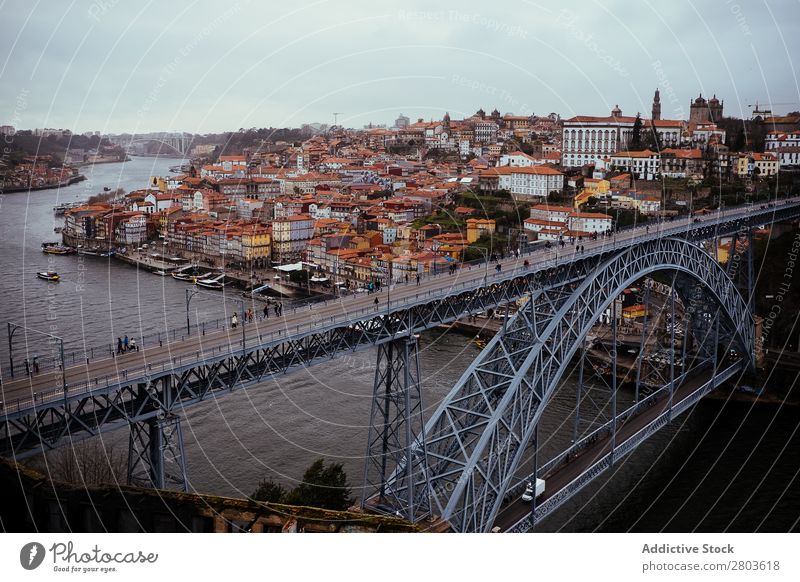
(389, 288)
(12, 329)
(189, 294)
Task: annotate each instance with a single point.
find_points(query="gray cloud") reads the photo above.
(212, 66)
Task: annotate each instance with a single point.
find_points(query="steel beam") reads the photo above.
(395, 421)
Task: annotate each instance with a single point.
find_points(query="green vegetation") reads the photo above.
(562, 197)
(323, 486)
(448, 221)
(24, 143)
(102, 197)
(269, 492)
(507, 212)
(490, 245)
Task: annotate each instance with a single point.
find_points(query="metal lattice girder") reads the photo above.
(155, 453)
(476, 438)
(32, 426)
(395, 421)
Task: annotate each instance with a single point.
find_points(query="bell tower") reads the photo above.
(656, 106)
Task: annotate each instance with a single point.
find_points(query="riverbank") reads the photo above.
(73, 180)
(109, 161)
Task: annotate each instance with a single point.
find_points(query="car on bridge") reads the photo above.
(528, 494)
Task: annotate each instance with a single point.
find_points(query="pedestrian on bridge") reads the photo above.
(119, 345)
(134, 347)
(417, 279)
(266, 311)
(376, 305)
(234, 320)
(125, 342)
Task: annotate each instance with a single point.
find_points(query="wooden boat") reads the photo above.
(52, 248)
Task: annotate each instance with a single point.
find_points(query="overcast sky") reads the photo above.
(116, 66)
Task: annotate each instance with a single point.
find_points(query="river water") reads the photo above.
(723, 466)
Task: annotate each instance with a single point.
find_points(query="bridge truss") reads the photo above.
(491, 412)
(476, 439)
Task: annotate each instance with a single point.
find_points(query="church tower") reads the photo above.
(656, 106)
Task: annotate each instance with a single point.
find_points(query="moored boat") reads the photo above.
(212, 283)
(48, 275)
(54, 248)
(190, 273)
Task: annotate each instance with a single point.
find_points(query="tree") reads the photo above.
(636, 134)
(738, 144)
(270, 492)
(91, 462)
(322, 486)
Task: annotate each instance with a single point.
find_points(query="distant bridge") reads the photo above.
(466, 465)
(179, 143)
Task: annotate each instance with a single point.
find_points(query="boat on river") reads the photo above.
(54, 248)
(190, 273)
(217, 282)
(49, 276)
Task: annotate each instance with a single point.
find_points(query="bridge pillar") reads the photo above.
(155, 453)
(395, 420)
(155, 448)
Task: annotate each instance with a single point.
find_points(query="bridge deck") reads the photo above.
(19, 394)
(566, 473)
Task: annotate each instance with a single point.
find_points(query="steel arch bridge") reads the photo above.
(465, 460)
(180, 144)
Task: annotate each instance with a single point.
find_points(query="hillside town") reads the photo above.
(354, 207)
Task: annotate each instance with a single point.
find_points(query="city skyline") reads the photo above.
(206, 69)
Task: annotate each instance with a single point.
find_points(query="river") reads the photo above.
(723, 466)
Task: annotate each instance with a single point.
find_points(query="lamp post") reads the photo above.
(189, 294)
(389, 288)
(12, 329)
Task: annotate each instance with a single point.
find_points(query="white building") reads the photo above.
(551, 213)
(644, 165)
(778, 139)
(133, 231)
(531, 181)
(486, 131)
(517, 159)
(586, 139)
(788, 156)
(589, 222)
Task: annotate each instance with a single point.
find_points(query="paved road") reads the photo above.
(46, 386)
(562, 475)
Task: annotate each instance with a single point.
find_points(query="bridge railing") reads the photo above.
(292, 332)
